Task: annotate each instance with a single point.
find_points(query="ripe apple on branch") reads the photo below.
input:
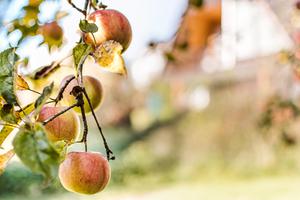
(50, 124)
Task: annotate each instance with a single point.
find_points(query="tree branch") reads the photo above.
(80, 101)
(62, 89)
(109, 153)
(78, 9)
(137, 136)
(86, 5)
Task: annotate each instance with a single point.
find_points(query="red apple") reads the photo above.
(51, 31)
(112, 25)
(65, 127)
(297, 5)
(84, 172)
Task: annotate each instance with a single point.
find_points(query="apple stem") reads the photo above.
(109, 153)
(60, 113)
(99, 6)
(102, 6)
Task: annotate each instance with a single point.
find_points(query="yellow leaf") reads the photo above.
(25, 112)
(21, 84)
(2, 102)
(4, 158)
(5, 131)
(108, 55)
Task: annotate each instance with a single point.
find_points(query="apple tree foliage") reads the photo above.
(30, 142)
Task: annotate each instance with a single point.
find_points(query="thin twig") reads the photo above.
(63, 59)
(62, 89)
(85, 125)
(80, 67)
(80, 76)
(109, 153)
(49, 102)
(78, 9)
(80, 95)
(86, 5)
(25, 107)
(60, 113)
(24, 113)
(36, 92)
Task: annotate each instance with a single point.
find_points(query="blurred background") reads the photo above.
(210, 107)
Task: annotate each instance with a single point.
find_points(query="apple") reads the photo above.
(84, 172)
(297, 5)
(65, 127)
(51, 31)
(112, 25)
(93, 89)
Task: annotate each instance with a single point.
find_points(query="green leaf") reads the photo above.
(87, 27)
(80, 52)
(95, 3)
(39, 103)
(36, 151)
(8, 114)
(6, 130)
(8, 60)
